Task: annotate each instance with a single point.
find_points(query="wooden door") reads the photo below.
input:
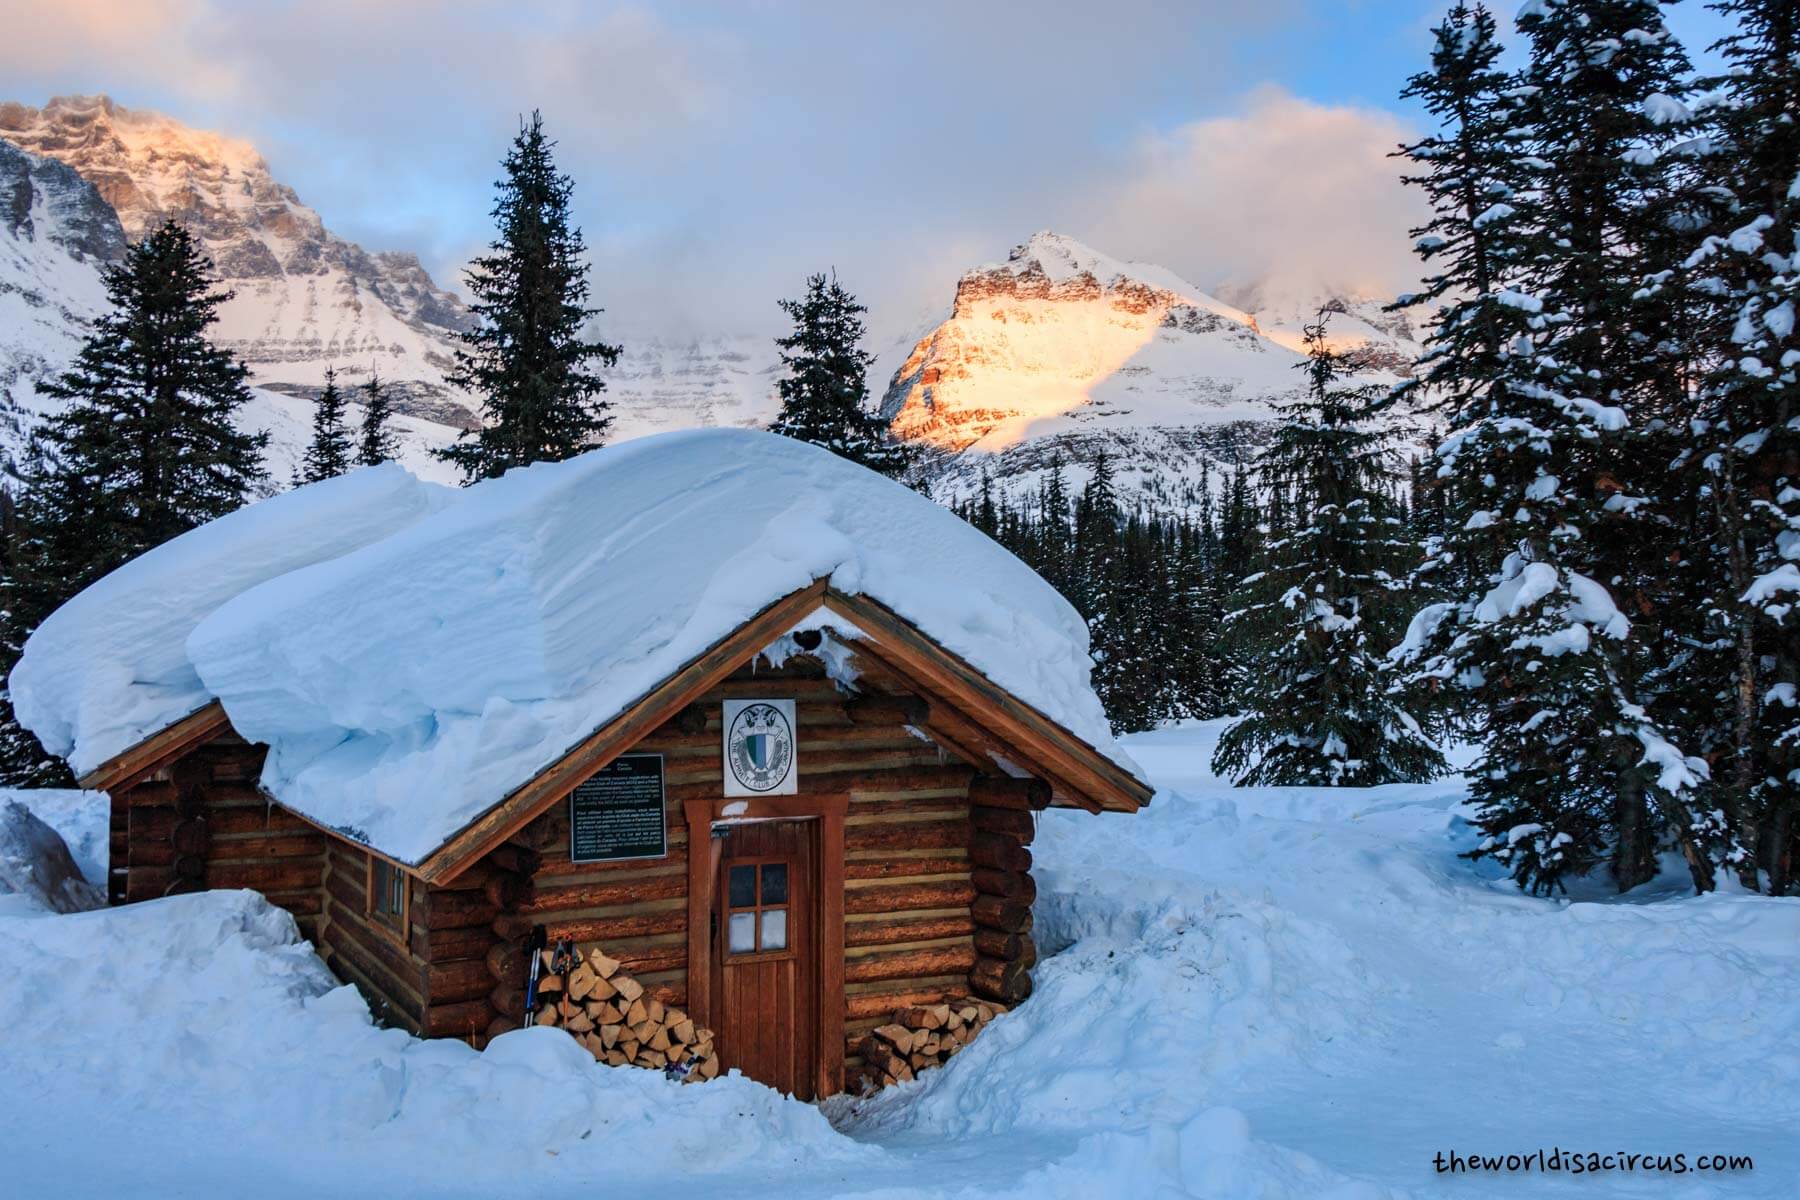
(766, 977)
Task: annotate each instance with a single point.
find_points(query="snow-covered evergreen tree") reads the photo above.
(825, 393)
(1318, 614)
(1538, 363)
(375, 440)
(1742, 467)
(145, 448)
(527, 356)
(328, 453)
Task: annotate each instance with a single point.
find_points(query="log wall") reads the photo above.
(918, 923)
(201, 823)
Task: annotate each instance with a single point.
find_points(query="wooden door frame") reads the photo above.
(704, 856)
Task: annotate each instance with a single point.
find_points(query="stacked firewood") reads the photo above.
(608, 1011)
(922, 1036)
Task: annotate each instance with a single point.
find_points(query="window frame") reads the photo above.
(397, 926)
(727, 910)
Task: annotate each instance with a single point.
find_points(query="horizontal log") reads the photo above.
(919, 929)
(507, 889)
(462, 1019)
(463, 979)
(354, 935)
(257, 848)
(908, 835)
(601, 895)
(907, 775)
(146, 882)
(301, 904)
(999, 851)
(557, 867)
(152, 793)
(275, 875)
(888, 710)
(882, 1005)
(1007, 982)
(500, 1025)
(386, 999)
(611, 929)
(987, 819)
(192, 836)
(948, 802)
(457, 910)
(443, 945)
(1008, 916)
(999, 791)
(893, 898)
(645, 963)
(903, 868)
(1008, 885)
(508, 1002)
(515, 859)
(1006, 947)
(911, 964)
(260, 819)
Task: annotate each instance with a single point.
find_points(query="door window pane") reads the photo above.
(774, 883)
(743, 933)
(743, 886)
(774, 929)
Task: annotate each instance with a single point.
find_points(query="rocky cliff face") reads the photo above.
(56, 234)
(1061, 353)
(305, 298)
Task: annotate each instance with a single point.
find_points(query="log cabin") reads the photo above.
(788, 812)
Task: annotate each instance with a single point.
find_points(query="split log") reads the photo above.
(620, 1022)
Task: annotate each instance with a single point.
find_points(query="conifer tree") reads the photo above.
(1320, 610)
(825, 394)
(1742, 283)
(145, 448)
(25, 600)
(1538, 369)
(375, 441)
(526, 356)
(328, 454)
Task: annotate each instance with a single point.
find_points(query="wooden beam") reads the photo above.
(159, 749)
(618, 735)
(1049, 744)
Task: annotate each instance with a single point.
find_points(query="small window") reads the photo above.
(757, 908)
(387, 896)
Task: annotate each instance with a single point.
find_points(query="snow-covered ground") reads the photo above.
(1265, 993)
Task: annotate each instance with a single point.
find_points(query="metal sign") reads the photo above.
(760, 749)
(618, 812)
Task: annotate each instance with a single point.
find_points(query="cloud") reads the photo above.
(1282, 190)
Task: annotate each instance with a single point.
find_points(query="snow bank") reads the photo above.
(110, 667)
(405, 687)
(82, 819)
(34, 862)
(236, 1042)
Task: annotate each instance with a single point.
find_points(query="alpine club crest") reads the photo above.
(759, 747)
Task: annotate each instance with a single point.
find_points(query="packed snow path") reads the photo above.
(1247, 993)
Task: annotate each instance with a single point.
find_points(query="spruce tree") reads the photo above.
(527, 357)
(1740, 475)
(825, 394)
(328, 454)
(375, 440)
(25, 600)
(145, 448)
(1319, 613)
(1539, 369)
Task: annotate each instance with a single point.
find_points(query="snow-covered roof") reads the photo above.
(110, 667)
(410, 682)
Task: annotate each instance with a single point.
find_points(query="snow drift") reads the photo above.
(110, 667)
(407, 686)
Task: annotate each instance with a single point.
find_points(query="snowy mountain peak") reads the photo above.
(305, 298)
(1064, 261)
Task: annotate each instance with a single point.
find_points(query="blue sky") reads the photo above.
(723, 150)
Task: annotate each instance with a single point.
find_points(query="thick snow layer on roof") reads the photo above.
(110, 667)
(408, 686)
